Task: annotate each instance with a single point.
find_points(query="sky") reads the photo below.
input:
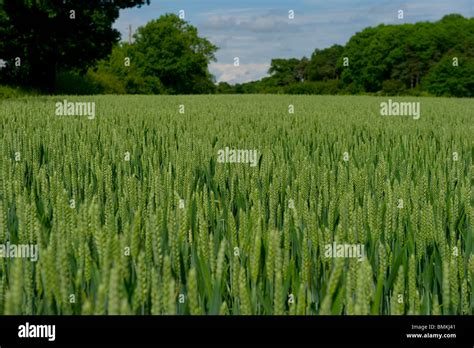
(256, 31)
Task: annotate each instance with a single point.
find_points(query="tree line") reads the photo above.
(70, 47)
(426, 58)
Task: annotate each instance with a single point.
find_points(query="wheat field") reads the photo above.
(133, 212)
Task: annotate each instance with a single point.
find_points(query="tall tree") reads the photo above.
(324, 64)
(453, 80)
(170, 50)
(48, 35)
(287, 71)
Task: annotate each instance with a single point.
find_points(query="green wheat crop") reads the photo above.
(173, 231)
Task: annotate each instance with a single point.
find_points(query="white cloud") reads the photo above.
(249, 22)
(243, 73)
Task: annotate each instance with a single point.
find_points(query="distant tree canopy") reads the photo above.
(50, 35)
(323, 64)
(82, 56)
(167, 56)
(287, 71)
(435, 58)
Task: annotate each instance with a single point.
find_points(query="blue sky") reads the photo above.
(259, 30)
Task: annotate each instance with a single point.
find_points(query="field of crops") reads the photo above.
(134, 213)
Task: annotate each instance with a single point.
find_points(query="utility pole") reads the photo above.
(130, 34)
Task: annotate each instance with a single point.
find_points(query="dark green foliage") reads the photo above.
(288, 71)
(48, 37)
(71, 82)
(323, 64)
(393, 87)
(458, 82)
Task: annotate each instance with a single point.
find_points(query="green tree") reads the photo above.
(323, 64)
(171, 50)
(167, 57)
(225, 88)
(124, 70)
(51, 35)
(445, 79)
(286, 71)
